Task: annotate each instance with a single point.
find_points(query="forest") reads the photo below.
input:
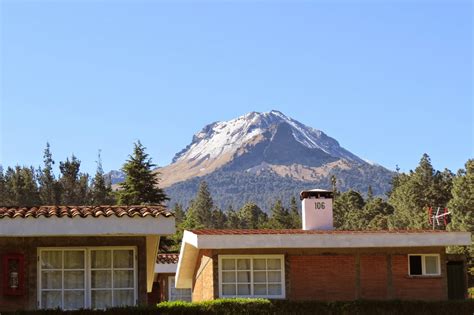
(404, 207)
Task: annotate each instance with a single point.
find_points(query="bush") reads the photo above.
(277, 307)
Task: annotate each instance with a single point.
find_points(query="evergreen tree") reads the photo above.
(233, 219)
(295, 214)
(141, 184)
(21, 188)
(101, 190)
(280, 217)
(413, 193)
(348, 211)
(179, 214)
(74, 185)
(199, 214)
(48, 186)
(370, 193)
(250, 216)
(461, 207)
(376, 214)
(218, 219)
(3, 189)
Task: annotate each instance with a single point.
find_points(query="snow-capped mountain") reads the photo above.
(260, 155)
(263, 156)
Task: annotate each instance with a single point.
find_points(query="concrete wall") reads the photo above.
(336, 274)
(28, 247)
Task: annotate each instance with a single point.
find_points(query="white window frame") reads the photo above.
(423, 265)
(87, 271)
(252, 257)
(171, 280)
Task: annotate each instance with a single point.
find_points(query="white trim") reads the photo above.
(165, 268)
(88, 226)
(88, 270)
(192, 243)
(251, 258)
(423, 265)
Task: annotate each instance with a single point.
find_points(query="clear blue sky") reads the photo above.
(389, 80)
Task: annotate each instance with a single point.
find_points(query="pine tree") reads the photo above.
(233, 219)
(251, 216)
(348, 211)
(48, 187)
(462, 207)
(280, 217)
(370, 193)
(295, 214)
(413, 193)
(376, 214)
(3, 189)
(179, 214)
(21, 188)
(141, 184)
(74, 185)
(101, 190)
(199, 214)
(218, 219)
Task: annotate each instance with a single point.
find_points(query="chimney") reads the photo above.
(317, 209)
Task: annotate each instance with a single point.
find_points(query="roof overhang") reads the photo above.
(166, 268)
(192, 243)
(88, 226)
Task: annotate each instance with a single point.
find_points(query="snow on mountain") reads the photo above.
(227, 137)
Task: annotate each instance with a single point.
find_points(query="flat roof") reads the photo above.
(195, 240)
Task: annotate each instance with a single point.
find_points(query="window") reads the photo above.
(252, 276)
(74, 278)
(177, 294)
(424, 265)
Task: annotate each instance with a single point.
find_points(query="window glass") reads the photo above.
(431, 265)
(73, 300)
(74, 279)
(123, 279)
(51, 259)
(51, 279)
(123, 297)
(101, 278)
(123, 259)
(51, 299)
(101, 299)
(259, 276)
(178, 294)
(415, 265)
(101, 259)
(73, 259)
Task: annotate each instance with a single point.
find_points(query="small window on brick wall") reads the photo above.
(424, 265)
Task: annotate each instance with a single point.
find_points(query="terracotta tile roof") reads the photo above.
(83, 211)
(167, 258)
(296, 231)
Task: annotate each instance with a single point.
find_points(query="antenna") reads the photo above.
(439, 218)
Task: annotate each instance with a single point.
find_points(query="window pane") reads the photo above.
(101, 259)
(243, 289)
(123, 297)
(228, 276)
(274, 276)
(274, 264)
(51, 279)
(101, 298)
(243, 276)
(123, 258)
(431, 265)
(228, 289)
(73, 259)
(74, 279)
(228, 264)
(243, 264)
(73, 300)
(259, 264)
(415, 265)
(50, 299)
(274, 289)
(51, 259)
(123, 279)
(101, 279)
(260, 289)
(260, 276)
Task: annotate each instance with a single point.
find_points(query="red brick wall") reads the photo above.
(417, 288)
(29, 245)
(322, 277)
(373, 277)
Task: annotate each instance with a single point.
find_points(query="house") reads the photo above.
(319, 263)
(164, 286)
(79, 257)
